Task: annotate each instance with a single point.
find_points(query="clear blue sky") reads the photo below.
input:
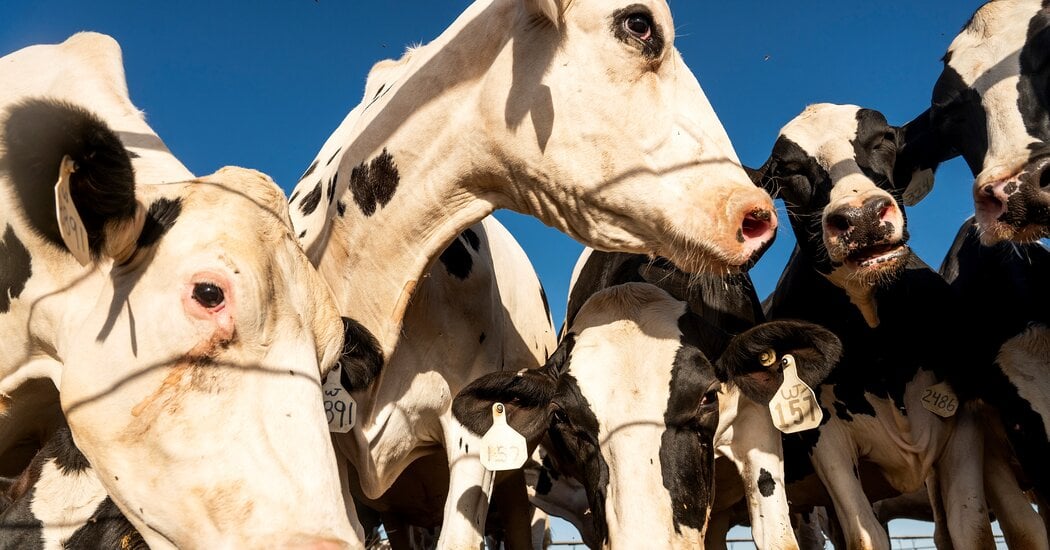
(262, 84)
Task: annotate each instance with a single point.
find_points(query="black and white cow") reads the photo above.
(629, 403)
(58, 502)
(183, 327)
(991, 105)
(745, 439)
(902, 331)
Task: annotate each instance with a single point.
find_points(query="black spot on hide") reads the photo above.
(472, 239)
(311, 200)
(160, 217)
(374, 184)
(340, 207)
(362, 358)
(107, 528)
(457, 260)
(766, 485)
(15, 268)
(68, 458)
(37, 135)
(331, 187)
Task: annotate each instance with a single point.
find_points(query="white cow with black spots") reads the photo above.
(186, 334)
(519, 105)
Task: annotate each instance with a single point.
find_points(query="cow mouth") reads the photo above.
(878, 257)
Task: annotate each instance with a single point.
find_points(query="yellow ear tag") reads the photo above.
(502, 448)
(69, 223)
(940, 400)
(794, 408)
(339, 407)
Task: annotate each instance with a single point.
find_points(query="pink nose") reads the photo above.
(990, 199)
(757, 229)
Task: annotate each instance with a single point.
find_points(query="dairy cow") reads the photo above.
(628, 405)
(991, 105)
(396, 183)
(746, 438)
(179, 319)
(905, 338)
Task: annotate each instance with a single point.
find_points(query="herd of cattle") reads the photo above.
(195, 362)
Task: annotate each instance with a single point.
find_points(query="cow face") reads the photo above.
(191, 345)
(833, 166)
(990, 105)
(646, 157)
(629, 405)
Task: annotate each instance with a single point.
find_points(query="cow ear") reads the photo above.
(920, 151)
(528, 396)
(551, 10)
(752, 359)
(51, 142)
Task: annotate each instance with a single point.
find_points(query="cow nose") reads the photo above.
(757, 229)
(873, 212)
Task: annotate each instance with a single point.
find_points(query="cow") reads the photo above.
(518, 104)
(991, 105)
(904, 335)
(746, 438)
(628, 406)
(58, 502)
(1017, 338)
(177, 317)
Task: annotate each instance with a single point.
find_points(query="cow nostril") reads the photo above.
(988, 191)
(756, 224)
(1044, 178)
(838, 222)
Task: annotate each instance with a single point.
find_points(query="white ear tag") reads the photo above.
(920, 185)
(940, 400)
(339, 407)
(794, 408)
(69, 223)
(502, 448)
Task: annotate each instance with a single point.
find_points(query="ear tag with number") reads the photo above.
(70, 225)
(794, 408)
(940, 400)
(339, 407)
(502, 448)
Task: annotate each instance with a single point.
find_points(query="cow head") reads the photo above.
(991, 105)
(833, 166)
(190, 346)
(629, 405)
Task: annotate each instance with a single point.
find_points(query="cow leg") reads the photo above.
(757, 453)
(1021, 524)
(511, 503)
(717, 530)
(835, 461)
(960, 471)
(809, 532)
(348, 500)
(469, 489)
(941, 534)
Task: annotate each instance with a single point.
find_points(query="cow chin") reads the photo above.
(994, 231)
(876, 265)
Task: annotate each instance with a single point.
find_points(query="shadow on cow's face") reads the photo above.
(628, 406)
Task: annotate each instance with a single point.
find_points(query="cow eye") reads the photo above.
(208, 295)
(710, 398)
(639, 25)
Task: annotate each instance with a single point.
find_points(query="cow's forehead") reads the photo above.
(825, 132)
(987, 50)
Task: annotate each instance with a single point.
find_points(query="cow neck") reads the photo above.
(803, 292)
(406, 172)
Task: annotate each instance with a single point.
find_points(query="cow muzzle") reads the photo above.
(1016, 207)
(866, 233)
